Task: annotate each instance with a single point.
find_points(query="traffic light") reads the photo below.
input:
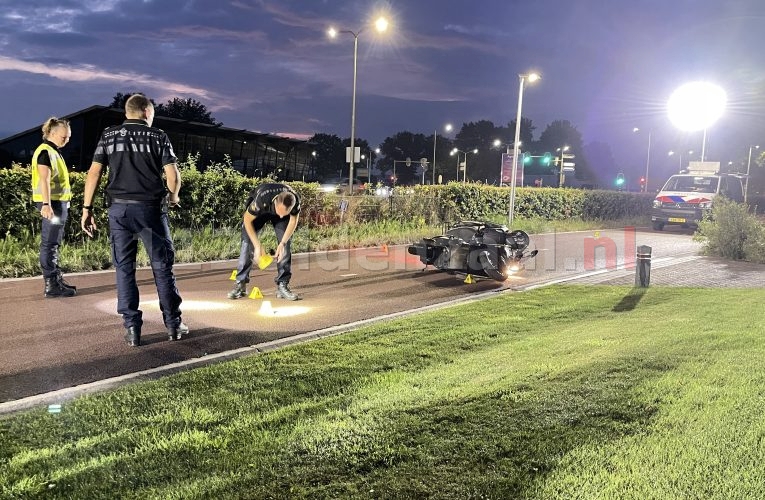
(642, 182)
(538, 164)
(620, 180)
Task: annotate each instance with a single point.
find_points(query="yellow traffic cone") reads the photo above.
(256, 293)
(233, 275)
(468, 279)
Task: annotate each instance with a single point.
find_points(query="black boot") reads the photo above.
(53, 288)
(133, 336)
(283, 291)
(63, 283)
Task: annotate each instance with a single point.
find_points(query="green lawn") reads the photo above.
(568, 392)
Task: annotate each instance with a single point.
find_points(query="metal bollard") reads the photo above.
(643, 266)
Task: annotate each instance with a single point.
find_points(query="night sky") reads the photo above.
(268, 66)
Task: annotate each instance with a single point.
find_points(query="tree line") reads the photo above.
(488, 139)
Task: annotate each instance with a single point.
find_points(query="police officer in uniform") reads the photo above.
(278, 205)
(51, 193)
(137, 154)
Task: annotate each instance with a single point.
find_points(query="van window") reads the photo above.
(731, 188)
(691, 183)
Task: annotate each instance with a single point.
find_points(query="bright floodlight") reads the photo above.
(381, 24)
(696, 105)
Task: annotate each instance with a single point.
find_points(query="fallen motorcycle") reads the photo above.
(481, 249)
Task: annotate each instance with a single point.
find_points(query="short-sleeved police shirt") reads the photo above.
(135, 154)
(261, 200)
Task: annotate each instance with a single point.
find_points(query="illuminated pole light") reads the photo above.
(381, 24)
(531, 77)
(464, 164)
(696, 106)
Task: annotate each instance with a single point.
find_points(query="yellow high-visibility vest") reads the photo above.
(60, 190)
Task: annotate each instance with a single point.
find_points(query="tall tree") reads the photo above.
(186, 109)
(559, 134)
(118, 101)
(183, 109)
(526, 134)
(330, 156)
(479, 136)
(398, 148)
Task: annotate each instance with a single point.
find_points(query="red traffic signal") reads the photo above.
(642, 181)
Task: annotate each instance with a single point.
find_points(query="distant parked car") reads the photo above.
(339, 185)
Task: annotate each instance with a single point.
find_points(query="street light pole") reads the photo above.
(381, 24)
(448, 128)
(516, 145)
(647, 162)
(748, 166)
(353, 112)
(464, 164)
(647, 159)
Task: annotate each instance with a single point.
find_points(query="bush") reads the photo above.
(732, 232)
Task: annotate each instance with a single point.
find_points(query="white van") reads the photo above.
(687, 196)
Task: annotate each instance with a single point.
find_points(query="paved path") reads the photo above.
(75, 346)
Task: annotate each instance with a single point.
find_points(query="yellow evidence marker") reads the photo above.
(264, 261)
(256, 293)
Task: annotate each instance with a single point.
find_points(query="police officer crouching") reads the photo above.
(137, 154)
(278, 205)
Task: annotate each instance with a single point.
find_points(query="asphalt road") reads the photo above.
(53, 344)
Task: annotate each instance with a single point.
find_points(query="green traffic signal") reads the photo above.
(526, 159)
(620, 179)
(546, 159)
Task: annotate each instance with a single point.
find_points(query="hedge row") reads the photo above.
(215, 198)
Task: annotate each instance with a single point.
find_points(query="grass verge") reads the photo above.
(586, 392)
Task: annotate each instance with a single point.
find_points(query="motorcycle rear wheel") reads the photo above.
(492, 266)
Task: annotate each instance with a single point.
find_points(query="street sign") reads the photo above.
(568, 164)
(568, 156)
(356, 156)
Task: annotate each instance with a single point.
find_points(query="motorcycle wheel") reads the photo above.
(492, 267)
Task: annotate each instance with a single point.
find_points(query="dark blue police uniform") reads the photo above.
(261, 204)
(136, 154)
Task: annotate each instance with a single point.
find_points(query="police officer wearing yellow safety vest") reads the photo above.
(51, 193)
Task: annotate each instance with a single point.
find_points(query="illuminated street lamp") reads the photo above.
(498, 142)
(647, 159)
(380, 25)
(447, 128)
(464, 164)
(696, 106)
(531, 77)
(748, 165)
